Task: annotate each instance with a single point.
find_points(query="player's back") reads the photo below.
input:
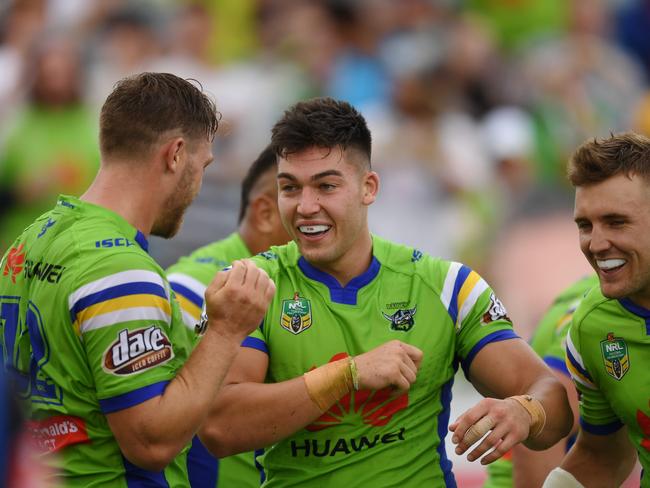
(64, 291)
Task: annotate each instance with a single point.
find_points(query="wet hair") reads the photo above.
(599, 159)
(266, 161)
(143, 107)
(324, 123)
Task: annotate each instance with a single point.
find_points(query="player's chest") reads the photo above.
(308, 326)
(620, 361)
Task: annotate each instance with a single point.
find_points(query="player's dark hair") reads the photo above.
(143, 107)
(324, 123)
(599, 159)
(266, 161)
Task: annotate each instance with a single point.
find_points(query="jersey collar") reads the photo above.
(90, 208)
(338, 294)
(638, 310)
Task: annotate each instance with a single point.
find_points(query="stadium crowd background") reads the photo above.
(474, 107)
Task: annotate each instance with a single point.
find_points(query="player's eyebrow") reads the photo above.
(317, 176)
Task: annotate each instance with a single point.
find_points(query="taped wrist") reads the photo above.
(536, 411)
(330, 382)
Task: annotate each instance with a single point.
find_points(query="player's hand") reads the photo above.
(507, 422)
(393, 364)
(236, 299)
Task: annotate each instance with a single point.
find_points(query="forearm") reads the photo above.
(166, 423)
(530, 468)
(559, 418)
(600, 467)
(248, 416)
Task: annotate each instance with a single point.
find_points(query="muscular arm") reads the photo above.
(248, 414)
(600, 461)
(150, 434)
(530, 468)
(503, 369)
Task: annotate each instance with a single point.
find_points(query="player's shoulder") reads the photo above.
(594, 312)
(278, 259)
(432, 270)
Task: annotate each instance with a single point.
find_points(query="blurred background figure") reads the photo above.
(474, 106)
(52, 146)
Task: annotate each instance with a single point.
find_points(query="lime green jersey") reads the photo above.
(374, 438)
(189, 278)
(606, 349)
(89, 327)
(549, 343)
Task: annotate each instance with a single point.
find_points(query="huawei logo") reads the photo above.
(15, 261)
(375, 407)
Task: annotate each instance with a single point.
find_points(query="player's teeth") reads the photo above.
(610, 263)
(312, 229)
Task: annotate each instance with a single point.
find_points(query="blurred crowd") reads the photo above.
(474, 105)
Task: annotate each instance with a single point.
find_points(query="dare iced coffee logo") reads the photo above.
(137, 350)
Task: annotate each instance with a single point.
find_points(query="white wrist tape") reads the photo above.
(559, 478)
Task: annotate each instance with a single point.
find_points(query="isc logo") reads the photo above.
(137, 350)
(114, 242)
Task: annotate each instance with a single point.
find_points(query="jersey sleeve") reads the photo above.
(549, 341)
(478, 315)
(124, 315)
(189, 286)
(596, 414)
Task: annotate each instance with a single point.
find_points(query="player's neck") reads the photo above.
(353, 263)
(124, 194)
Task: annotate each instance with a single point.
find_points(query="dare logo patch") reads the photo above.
(135, 351)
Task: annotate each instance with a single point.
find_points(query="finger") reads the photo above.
(237, 273)
(474, 433)
(262, 280)
(467, 419)
(413, 352)
(506, 444)
(401, 384)
(489, 442)
(408, 373)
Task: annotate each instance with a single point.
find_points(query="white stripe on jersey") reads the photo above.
(121, 278)
(470, 301)
(189, 320)
(450, 281)
(124, 315)
(188, 282)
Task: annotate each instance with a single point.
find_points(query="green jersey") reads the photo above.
(549, 343)
(372, 438)
(606, 348)
(89, 327)
(189, 278)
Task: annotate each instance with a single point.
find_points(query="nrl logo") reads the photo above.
(296, 314)
(402, 320)
(615, 356)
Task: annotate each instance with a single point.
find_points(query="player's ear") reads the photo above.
(172, 151)
(264, 213)
(370, 187)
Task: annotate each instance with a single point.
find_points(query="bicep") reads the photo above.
(250, 366)
(506, 368)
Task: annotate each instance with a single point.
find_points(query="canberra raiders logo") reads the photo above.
(402, 320)
(615, 355)
(296, 314)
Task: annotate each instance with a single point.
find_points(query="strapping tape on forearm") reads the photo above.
(537, 413)
(330, 382)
